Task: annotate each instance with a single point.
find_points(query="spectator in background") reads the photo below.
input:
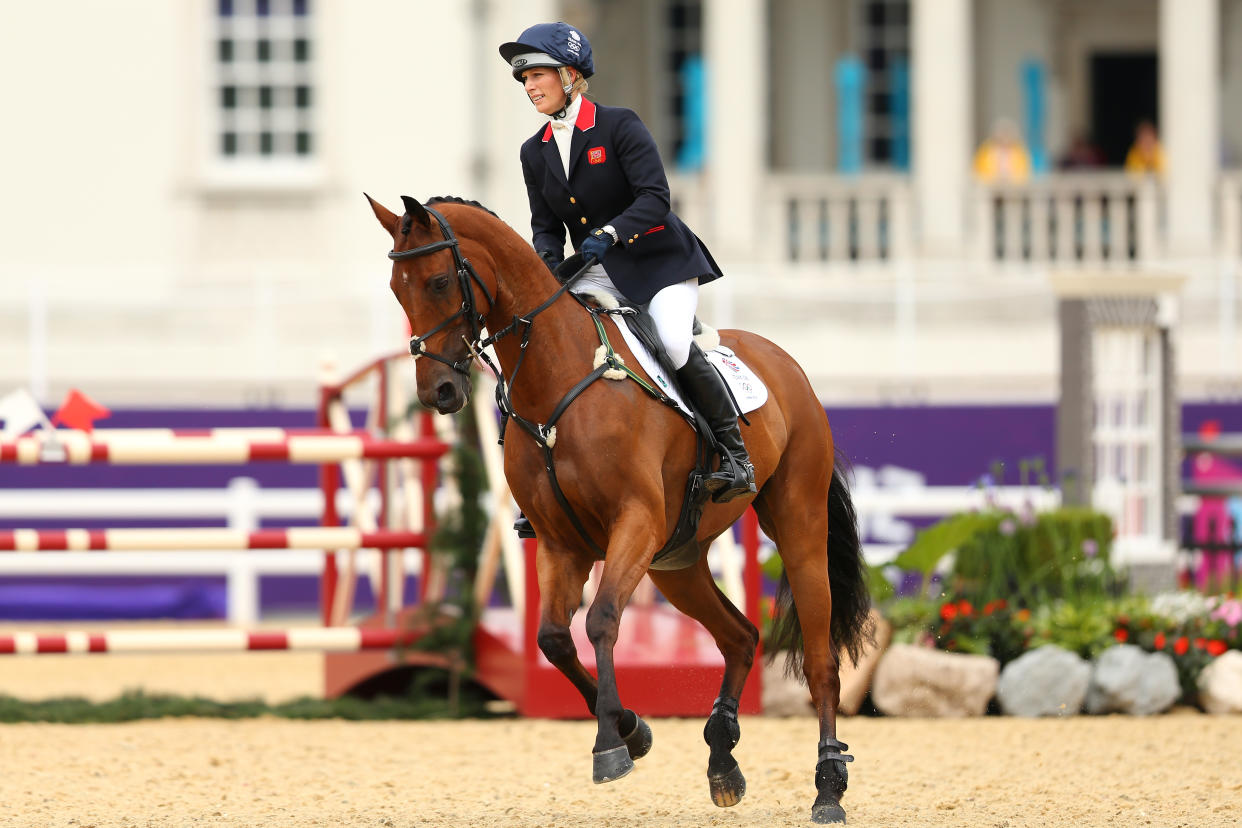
(1003, 158)
(1146, 156)
(1082, 154)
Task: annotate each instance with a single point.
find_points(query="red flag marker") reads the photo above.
(80, 412)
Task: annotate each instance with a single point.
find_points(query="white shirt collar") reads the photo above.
(571, 114)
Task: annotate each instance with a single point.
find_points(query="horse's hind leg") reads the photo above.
(694, 592)
(800, 532)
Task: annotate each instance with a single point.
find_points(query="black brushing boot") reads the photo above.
(523, 527)
(707, 391)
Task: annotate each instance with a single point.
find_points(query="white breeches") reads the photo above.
(672, 308)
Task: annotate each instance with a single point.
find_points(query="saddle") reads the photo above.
(681, 550)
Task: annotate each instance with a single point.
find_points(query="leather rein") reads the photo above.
(476, 343)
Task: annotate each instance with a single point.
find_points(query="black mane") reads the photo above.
(456, 200)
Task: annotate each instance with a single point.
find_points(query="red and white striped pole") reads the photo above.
(309, 537)
(313, 639)
(77, 448)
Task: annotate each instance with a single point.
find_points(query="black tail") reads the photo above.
(847, 576)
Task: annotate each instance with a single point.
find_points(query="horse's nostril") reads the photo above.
(446, 393)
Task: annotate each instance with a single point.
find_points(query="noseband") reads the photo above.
(465, 275)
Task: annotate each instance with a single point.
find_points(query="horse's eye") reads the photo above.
(438, 284)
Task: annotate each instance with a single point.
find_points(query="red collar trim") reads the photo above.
(586, 120)
(586, 116)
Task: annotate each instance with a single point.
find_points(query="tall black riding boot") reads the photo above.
(707, 392)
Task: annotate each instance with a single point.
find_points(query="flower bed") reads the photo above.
(1000, 583)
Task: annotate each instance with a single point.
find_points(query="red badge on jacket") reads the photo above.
(595, 155)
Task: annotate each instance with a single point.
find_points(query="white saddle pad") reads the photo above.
(747, 388)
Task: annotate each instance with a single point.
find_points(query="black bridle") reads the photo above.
(465, 275)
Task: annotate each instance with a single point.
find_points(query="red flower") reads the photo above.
(1121, 634)
(1181, 645)
(1200, 643)
(1159, 641)
(948, 612)
(1216, 647)
(1000, 603)
(965, 608)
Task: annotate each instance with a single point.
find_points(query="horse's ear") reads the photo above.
(385, 216)
(416, 211)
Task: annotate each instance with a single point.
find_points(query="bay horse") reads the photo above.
(611, 477)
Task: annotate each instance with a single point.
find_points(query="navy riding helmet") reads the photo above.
(549, 44)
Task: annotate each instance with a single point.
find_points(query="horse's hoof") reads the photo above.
(638, 743)
(610, 765)
(828, 813)
(727, 788)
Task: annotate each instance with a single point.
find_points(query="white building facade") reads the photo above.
(184, 220)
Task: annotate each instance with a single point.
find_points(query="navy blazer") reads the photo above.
(615, 177)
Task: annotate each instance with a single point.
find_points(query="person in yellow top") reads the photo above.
(1003, 158)
(1145, 155)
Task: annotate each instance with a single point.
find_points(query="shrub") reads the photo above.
(1025, 559)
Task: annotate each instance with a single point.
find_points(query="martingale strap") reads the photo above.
(542, 432)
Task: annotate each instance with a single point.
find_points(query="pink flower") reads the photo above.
(1230, 612)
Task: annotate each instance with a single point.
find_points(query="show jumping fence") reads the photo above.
(395, 455)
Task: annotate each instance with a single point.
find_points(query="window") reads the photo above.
(263, 68)
(883, 44)
(687, 102)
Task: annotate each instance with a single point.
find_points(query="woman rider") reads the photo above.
(595, 170)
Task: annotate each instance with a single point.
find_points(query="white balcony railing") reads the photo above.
(1091, 219)
(1069, 219)
(838, 219)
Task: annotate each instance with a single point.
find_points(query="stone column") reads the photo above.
(735, 45)
(503, 117)
(1190, 120)
(942, 58)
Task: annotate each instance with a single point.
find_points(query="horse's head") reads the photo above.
(443, 298)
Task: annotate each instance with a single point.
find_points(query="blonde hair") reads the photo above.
(578, 87)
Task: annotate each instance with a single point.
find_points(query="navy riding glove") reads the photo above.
(551, 258)
(596, 245)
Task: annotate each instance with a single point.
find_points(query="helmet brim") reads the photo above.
(513, 51)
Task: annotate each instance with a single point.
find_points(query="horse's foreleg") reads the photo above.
(809, 580)
(629, 551)
(694, 592)
(561, 576)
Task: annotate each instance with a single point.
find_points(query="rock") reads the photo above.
(918, 681)
(856, 678)
(784, 695)
(1047, 681)
(1128, 680)
(788, 695)
(1220, 684)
